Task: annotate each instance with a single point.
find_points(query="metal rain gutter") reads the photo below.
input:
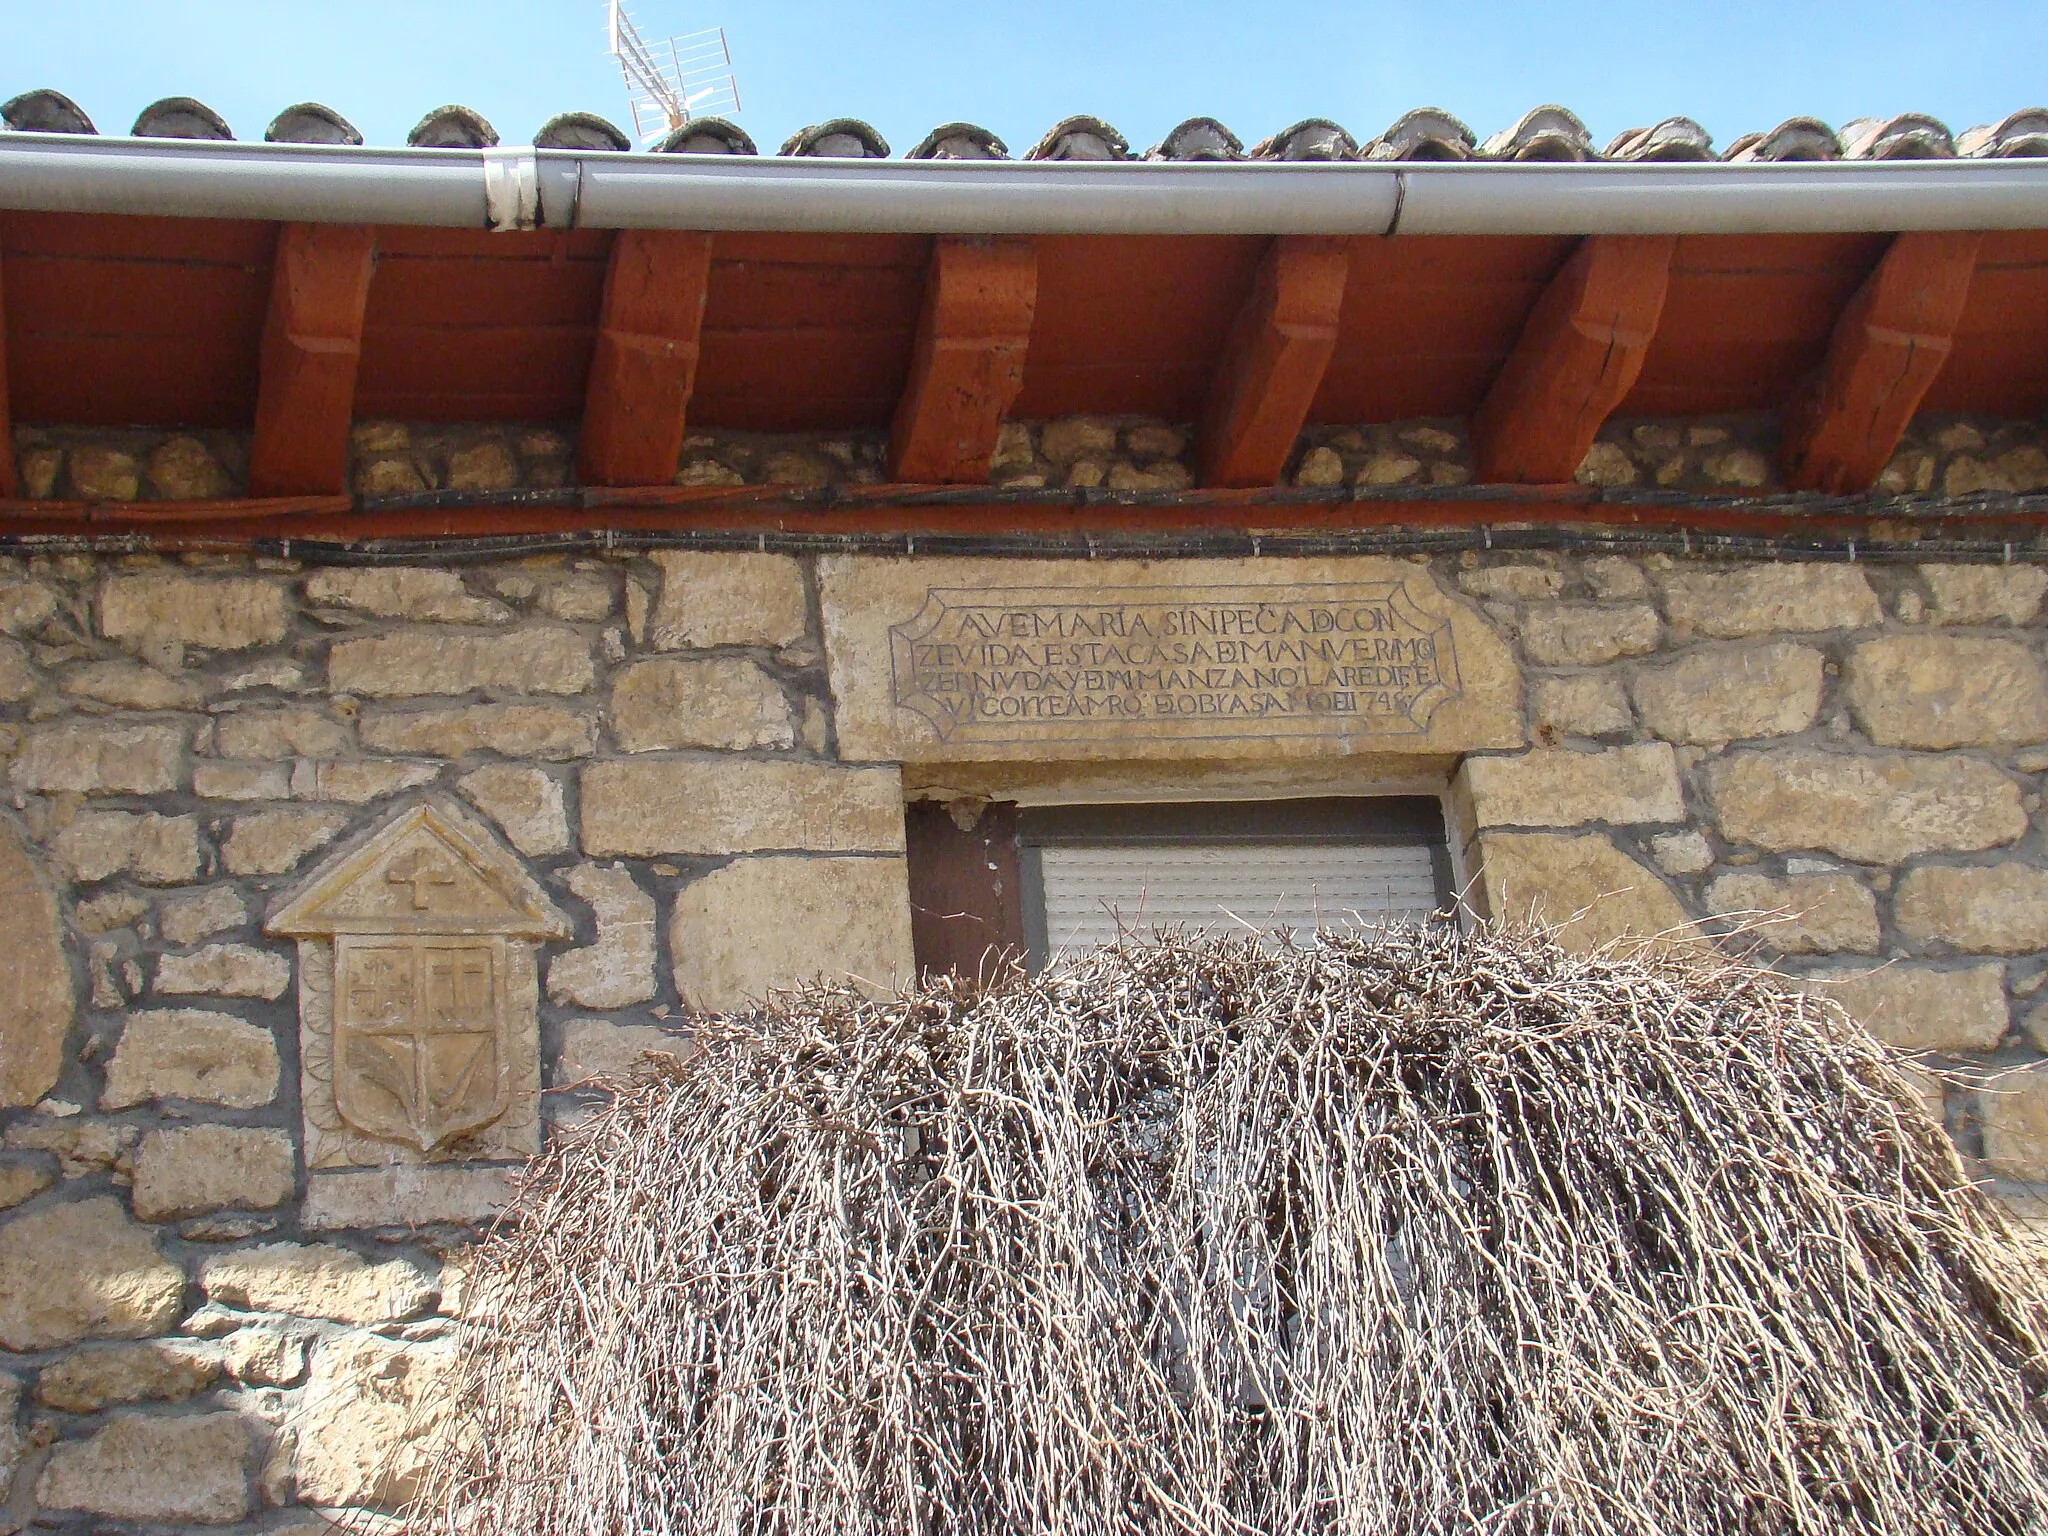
(560, 189)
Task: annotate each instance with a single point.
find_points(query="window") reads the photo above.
(1036, 880)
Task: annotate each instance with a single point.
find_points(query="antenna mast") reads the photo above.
(673, 79)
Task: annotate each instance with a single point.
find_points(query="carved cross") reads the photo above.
(421, 870)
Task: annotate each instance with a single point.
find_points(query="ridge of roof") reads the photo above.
(1545, 133)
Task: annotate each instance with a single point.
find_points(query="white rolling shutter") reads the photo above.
(1229, 887)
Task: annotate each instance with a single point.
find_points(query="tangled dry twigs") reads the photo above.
(1423, 1233)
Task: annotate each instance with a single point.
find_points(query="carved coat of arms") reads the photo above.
(419, 1033)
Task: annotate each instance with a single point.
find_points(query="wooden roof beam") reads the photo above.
(968, 361)
(10, 486)
(1578, 357)
(312, 342)
(1273, 363)
(1844, 423)
(644, 368)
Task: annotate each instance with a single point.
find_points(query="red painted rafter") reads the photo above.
(1886, 352)
(645, 363)
(968, 362)
(312, 342)
(1273, 363)
(9, 485)
(1578, 357)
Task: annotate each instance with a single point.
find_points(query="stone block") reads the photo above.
(273, 842)
(109, 910)
(1580, 884)
(1985, 594)
(215, 613)
(581, 597)
(1588, 705)
(598, 1048)
(1732, 693)
(184, 469)
(1682, 853)
(407, 1194)
(1801, 915)
(107, 1375)
(224, 970)
(1589, 634)
(725, 703)
(318, 1280)
(965, 660)
(357, 781)
(1947, 691)
(1512, 583)
(546, 731)
(196, 1168)
(80, 1271)
(189, 916)
(651, 806)
(241, 781)
(404, 592)
(538, 658)
(275, 733)
(131, 685)
(101, 759)
(185, 1468)
(1075, 437)
(765, 923)
(157, 850)
(1872, 808)
(25, 605)
(17, 674)
(1615, 578)
(617, 970)
(35, 979)
(372, 1419)
(258, 1356)
(526, 803)
(728, 599)
(1920, 1007)
(1549, 787)
(22, 1178)
(1794, 597)
(2014, 1110)
(12, 1442)
(1999, 909)
(82, 1144)
(483, 466)
(191, 1053)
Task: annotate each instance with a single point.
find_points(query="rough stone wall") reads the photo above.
(195, 1326)
(1840, 764)
(1733, 455)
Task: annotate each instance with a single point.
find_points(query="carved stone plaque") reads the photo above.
(958, 660)
(418, 997)
(1040, 663)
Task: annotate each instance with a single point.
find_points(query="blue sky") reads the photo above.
(1018, 68)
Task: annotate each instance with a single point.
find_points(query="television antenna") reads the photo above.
(671, 80)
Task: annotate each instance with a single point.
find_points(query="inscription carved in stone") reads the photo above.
(1195, 662)
(418, 998)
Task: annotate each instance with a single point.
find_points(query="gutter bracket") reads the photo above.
(511, 189)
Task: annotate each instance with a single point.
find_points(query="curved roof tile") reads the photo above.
(839, 138)
(311, 123)
(1080, 138)
(708, 136)
(1544, 133)
(1313, 138)
(180, 117)
(2023, 135)
(580, 130)
(1676, 138)
(453, 127)
(959, 141)
(1909, 136)
(1426, 133)
(45, 111)
(1199, 138)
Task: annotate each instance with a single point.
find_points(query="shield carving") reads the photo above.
(420, 1053)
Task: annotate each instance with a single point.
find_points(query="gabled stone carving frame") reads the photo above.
(419, 1023)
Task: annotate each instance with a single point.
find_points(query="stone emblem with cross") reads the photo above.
(418, 995)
